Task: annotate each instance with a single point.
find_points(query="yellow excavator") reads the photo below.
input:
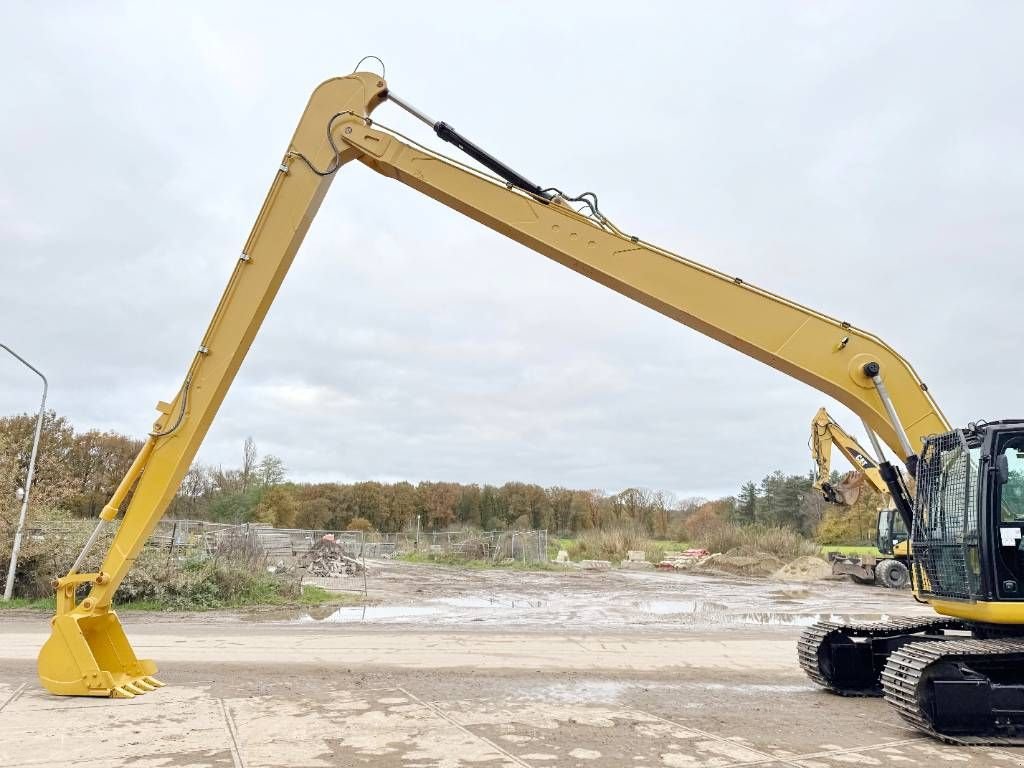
(957, 676)
(892, 570)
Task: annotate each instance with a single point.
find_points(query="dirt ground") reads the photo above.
(457, 668)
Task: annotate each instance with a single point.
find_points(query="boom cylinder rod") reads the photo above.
(392, 96)
(875, 443)
(873, 371)
(88, 546)
(446, 133)
(109, 511)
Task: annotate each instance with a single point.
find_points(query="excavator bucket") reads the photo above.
(849, 488)
(89, 655)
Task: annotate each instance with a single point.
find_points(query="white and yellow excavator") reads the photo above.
(892, 570)
(957, 675)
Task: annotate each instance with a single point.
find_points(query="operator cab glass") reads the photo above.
(1007, 496)
(1012, 492)
(969, 511)
(891, 531)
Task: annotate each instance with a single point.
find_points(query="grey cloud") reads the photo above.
(860, 158)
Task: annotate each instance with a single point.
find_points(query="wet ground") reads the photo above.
(482, 668)
(447, 596)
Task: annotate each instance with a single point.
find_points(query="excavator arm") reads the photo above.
(826, 434)
(88, 653)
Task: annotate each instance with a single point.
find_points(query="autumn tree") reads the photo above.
(401, 506)
(276, 507)
(560, 501)
(437, 502)
(270, 471)
(54, 482)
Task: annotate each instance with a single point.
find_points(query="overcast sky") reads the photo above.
(864, 159)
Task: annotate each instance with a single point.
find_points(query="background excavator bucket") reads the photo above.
(849, 488)
(89, 655)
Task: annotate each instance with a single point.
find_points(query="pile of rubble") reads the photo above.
(327, 559)
(636, 560)
(682, 561)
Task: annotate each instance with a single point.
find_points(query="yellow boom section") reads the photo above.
(88, 653)
(821, 351)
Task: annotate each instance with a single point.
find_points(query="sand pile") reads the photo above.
(740, 562)
(807, 568)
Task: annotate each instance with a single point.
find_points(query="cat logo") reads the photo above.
(863, 461)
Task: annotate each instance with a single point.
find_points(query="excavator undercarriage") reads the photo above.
(936, 674)
(958, 677)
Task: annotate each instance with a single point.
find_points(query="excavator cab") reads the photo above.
(892, 533)
(969, 518)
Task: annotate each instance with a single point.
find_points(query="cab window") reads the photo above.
(1012, 506)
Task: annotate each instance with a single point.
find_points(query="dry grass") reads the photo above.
(784, 543)
(610, 543)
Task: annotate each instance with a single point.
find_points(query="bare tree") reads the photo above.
(249, 457)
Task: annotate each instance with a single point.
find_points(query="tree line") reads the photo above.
(78, 471)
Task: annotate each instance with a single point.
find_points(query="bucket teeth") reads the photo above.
(87, 654)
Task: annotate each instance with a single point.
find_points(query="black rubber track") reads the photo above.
(823, 632)
(902, 675)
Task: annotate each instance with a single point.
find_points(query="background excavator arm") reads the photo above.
(826, 433)
(88, 653)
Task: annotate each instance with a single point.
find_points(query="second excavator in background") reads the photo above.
(892, 569)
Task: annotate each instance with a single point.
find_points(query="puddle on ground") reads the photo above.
(445, 597)
(773, 618)
(687, 607)
(523, 611)
(489, 602)
(707, 612)
(614, 691)
(368, 613)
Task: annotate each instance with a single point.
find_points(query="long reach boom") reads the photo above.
(88, 653)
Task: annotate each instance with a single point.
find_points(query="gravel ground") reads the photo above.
(455, 668)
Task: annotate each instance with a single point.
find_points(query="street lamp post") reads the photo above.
(9, 586)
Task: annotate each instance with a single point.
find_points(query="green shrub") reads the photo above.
(235, 576)
(201, 583)
(654, 551)
(49, 546)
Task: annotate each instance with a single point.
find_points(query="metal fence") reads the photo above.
(496, 546)
(290, 544)
(278, 543)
